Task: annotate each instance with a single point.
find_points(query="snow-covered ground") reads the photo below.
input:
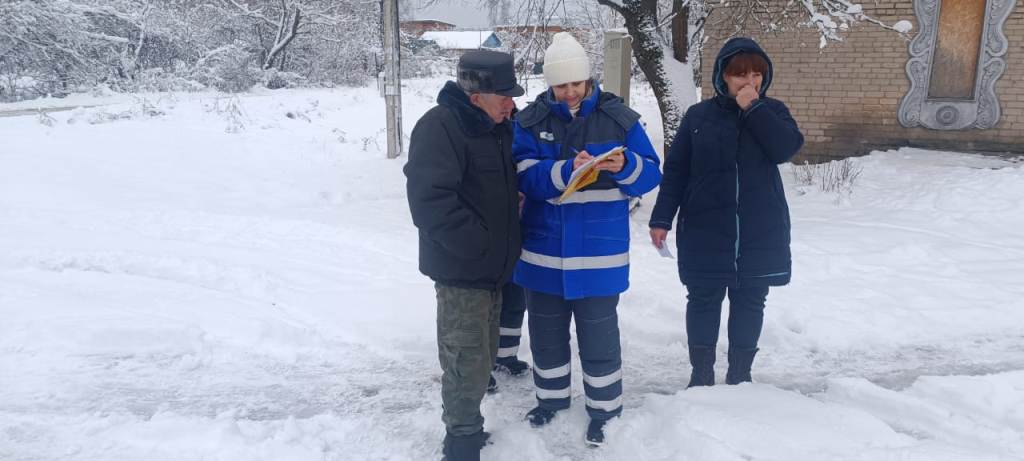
(177, 282)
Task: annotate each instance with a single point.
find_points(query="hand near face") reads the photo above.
(746, 96)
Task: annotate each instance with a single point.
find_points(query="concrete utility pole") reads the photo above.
(392, 82)
(618, 56)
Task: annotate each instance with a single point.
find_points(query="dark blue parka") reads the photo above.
(578, 248)
(721, 177)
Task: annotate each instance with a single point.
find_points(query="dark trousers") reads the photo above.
(597, 334)
(704, 314)
(467, 341)
(513, 309)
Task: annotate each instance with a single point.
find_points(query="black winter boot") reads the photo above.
(740, 361)
(540, 416)
(511, 365)
(595, 433)
(702, 359)
(464, 447)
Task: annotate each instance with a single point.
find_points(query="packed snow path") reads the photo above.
(170, 290)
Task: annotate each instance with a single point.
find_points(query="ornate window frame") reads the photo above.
(917, 109)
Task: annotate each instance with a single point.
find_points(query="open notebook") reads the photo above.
(587, 173)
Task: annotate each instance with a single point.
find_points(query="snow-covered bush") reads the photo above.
(804, 174)
(231, 69)
(231, 110)
(161, 80)
(837, 176)
(16, 87)
(99, 115)
(341, 134)
(143, 107)
(45, 119)
(374, 141)
(275, 79)
(416, 66)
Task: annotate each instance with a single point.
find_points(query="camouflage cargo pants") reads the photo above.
(467, 343)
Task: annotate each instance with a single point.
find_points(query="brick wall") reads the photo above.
(846, 96)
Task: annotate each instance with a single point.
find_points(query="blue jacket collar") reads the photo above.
(561, 109)
(544, 106)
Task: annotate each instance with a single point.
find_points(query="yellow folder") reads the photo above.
(587, 173)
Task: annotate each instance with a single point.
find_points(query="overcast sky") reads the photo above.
(462, 13)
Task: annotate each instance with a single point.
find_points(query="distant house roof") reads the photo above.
(429, 22)
(418, 27)
(550, 29)
(463, 39)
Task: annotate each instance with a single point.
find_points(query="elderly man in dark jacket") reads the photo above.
(463, 194)
(722, 178)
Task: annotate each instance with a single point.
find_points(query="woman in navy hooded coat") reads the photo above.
(733, 230)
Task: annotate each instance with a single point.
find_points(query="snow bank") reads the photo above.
(235, 278)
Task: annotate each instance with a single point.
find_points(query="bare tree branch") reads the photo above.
(613, 4)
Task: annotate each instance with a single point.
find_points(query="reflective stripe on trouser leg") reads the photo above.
(549, 343)
(513, 307)
(508, 346)
(597, 331)
(467, 340)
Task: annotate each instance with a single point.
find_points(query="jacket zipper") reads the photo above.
(739, 137)
(504, 171)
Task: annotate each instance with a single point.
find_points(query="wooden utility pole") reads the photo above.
(392, 82)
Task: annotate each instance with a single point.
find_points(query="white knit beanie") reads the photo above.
(565, 61)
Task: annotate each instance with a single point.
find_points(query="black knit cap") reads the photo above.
(484, 71)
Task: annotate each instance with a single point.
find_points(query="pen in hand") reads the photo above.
(581, 158)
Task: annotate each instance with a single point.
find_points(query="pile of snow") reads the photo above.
(235, 278)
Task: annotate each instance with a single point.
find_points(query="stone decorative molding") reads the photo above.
(917, 109)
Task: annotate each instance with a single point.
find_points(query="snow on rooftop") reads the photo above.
(458, 39)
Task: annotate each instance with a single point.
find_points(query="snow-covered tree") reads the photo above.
(661, 32)
(830, 17)
(50, 43)
(667, 70)
(54, 46)
(310, 37)
(529, 25)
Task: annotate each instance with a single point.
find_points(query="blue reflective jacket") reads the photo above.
(579, 248)
(722, 178)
